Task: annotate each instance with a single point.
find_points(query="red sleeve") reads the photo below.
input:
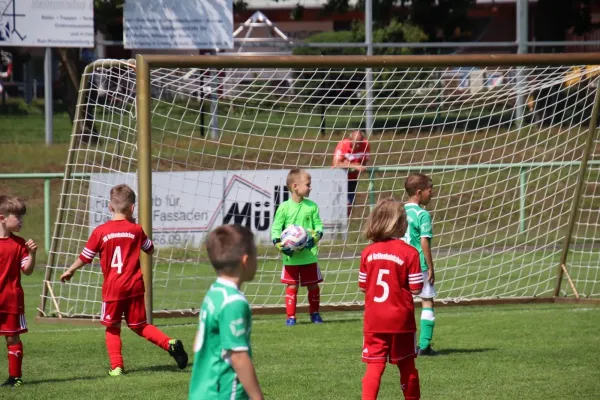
(415, 276)
(24, 255)
(339, 153)
(147, 245)
(362, 273)
(91, 248)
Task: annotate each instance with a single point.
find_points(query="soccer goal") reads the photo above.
(510, 141)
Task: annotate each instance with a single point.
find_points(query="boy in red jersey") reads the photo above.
(390, 274)
(16, 256)
(119, 243)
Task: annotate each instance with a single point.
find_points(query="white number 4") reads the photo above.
(384, 285)
(117, 260)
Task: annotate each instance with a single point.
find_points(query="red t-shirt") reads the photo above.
(358, 154)
(13, 256)
(118, 243)
(388, 272)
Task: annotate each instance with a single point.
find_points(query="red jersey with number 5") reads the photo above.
(13, 256)
(388, 272)
(118, 243)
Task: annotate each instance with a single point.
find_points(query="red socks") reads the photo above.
(372, 380)
(113, 345)
(409, 379)
(290, 301)
(153, 335)
(15, 359)
(314, 300)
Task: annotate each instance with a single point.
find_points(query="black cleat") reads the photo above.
(12, 382)
(177, 351)
(427, 351)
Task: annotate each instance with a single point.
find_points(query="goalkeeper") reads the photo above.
(300, 268)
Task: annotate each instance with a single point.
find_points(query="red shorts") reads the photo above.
(304, 275)
(134, 309)
(392, 347)
(12, 324)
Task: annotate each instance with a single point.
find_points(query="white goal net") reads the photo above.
(503, 145)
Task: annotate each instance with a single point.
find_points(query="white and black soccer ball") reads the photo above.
(294, 238)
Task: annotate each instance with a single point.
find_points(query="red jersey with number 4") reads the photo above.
(118, 243)
(388, 272)
(13, 256)
(357, 154)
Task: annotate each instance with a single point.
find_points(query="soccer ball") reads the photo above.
(294, 238)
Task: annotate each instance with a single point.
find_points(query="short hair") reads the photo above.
(227, 244)
(417, 181)
(294, 175)
(12, 205)
(387, 219)
(122, 197)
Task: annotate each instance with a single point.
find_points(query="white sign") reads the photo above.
(187, 205)
(178, 24)
(47, 23)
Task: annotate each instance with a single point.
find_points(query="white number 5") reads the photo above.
(117, 260)
(384, 285)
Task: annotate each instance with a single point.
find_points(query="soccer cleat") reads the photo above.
(13, 381)
(427, 351)
(290, 321)
(177, 351)
(116, 372)
(316, 318)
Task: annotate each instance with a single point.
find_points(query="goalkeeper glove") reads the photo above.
(314, 238)
(287, 252)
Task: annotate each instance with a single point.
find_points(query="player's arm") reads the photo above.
(415, 276)
(244, 368)
(278, 224)
(147, 245)
(426, 235)
(87, 256)
(28, 261)
(362, 274)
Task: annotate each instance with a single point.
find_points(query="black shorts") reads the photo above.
(352, 184)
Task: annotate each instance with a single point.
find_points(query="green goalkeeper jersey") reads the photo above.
(304, 214)
(419, 226)
(225, 325)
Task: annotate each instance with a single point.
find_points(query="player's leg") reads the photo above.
(375, 354)
(352, 184)
(135, 315)
(403, 353)
(427, 318)
(110, 316)
(310, 276)
(290, 275)
(12, 326)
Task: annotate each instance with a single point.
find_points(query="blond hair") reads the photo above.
(417, 181)
(386, 221)
(12, 205)
(122, 197)
(294, 175)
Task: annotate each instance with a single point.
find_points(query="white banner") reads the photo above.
(186, 205)
(178, 24)
(47, 23)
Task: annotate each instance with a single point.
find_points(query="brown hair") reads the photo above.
(387, 220)
(122, 197)
(227, 244)
(12, 205)
(417, 181)
(294, 175)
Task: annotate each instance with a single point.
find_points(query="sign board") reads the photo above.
(47, 23)
(187, 205)
(178, 24)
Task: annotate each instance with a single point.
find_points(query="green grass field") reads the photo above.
(494, 352)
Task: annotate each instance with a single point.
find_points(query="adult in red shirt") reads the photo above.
(119, 242)
(390, 274)
(352, 154)
(16, 256)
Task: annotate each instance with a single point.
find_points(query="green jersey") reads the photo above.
(304, 214)
(419, 226)
(225, 325)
